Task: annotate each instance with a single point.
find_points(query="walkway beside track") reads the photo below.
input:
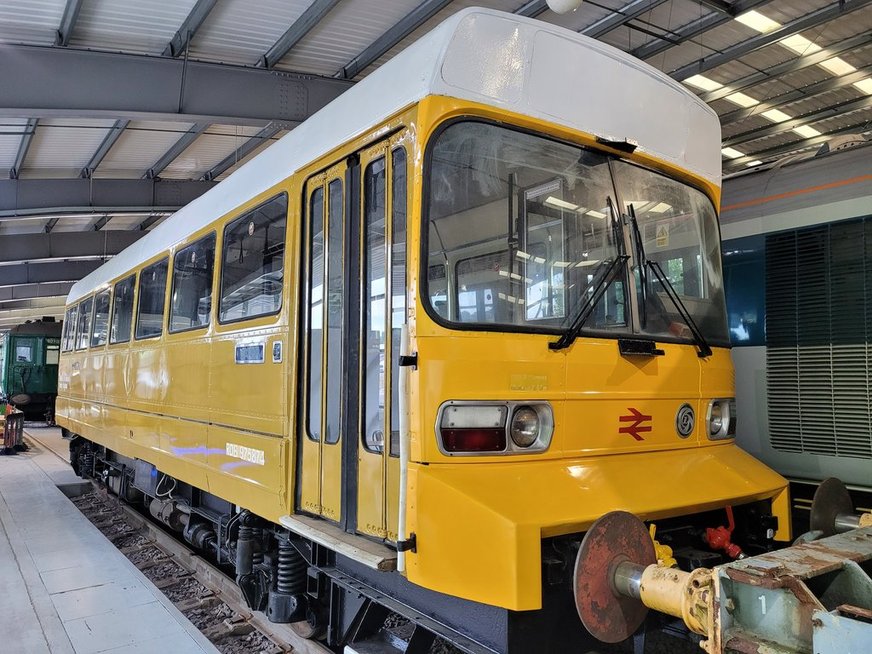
(64, 588)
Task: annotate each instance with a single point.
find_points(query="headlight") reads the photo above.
(525, 426)
(721, 419)
(716, 418)
(469, 427)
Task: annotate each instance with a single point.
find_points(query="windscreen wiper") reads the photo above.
(643, 262)
(599, 286)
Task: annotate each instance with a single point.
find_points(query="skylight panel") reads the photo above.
(806, 131)
(799, 44)
(702, 82)
(757, 21)
(838, 66)
(742, 100)
(865, 85)
(776, 115)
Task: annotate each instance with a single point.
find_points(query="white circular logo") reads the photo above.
(684, 421)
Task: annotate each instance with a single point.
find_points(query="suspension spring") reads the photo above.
(291, 570)
(88, 464)
(257, 555)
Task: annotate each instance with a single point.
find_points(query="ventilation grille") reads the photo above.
(818, 329)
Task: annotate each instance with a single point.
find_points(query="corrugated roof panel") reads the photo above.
(76, 223)
(30, 21)
(823, 100)
(209, 149)
(667, 19)
(733, 129)
(762, 59)
(715, 40)
(861, 119)
(125, 222)
(785, 11)
(437, 18)
(253, 154)
(242, 31)
(855, 22)
(139, 147)
(138, 26)
(22, 226)
(62, 146)
(343, 33)
(11, 132)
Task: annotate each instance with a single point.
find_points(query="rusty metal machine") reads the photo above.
(815, 596)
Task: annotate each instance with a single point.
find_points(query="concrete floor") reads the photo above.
(64, 588)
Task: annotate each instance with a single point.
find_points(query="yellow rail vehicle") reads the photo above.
(405, 357)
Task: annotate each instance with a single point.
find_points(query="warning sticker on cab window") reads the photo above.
(663, 234)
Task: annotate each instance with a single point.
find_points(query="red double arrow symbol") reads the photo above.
(637, 419)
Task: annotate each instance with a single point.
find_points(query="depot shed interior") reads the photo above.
(116, 113)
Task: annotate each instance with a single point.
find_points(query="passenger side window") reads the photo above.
(101, 319)
(70, 328)
(122, 311)
(83, 333)
(252, 262)
(152, 293)
(52, 353)
(191, 298)
(23, 353)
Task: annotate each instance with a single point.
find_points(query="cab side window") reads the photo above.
(122, 311)
(252, 262)
(152, 293)
(70, 321)
(101, 319)
(83, 333)
(191, 297)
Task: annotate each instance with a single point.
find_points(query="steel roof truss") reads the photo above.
(296, 32)
(405, 26)
(762, 40)
(23, 147)
(112, 136)
(68, 22)
(182, 38)
(789, 66)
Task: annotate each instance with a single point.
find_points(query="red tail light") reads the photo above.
(474, 439)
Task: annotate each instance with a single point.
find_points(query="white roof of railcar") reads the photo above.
(519, 64)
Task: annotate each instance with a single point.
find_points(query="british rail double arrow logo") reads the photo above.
(637, 419)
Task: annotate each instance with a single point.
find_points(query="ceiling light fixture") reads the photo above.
(732, 153)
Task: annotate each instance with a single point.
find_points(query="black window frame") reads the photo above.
(132, 279)
(227, 226)
(67, 344)
(77, 337)
(166, 261)
(106, 292)
(214, 236)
